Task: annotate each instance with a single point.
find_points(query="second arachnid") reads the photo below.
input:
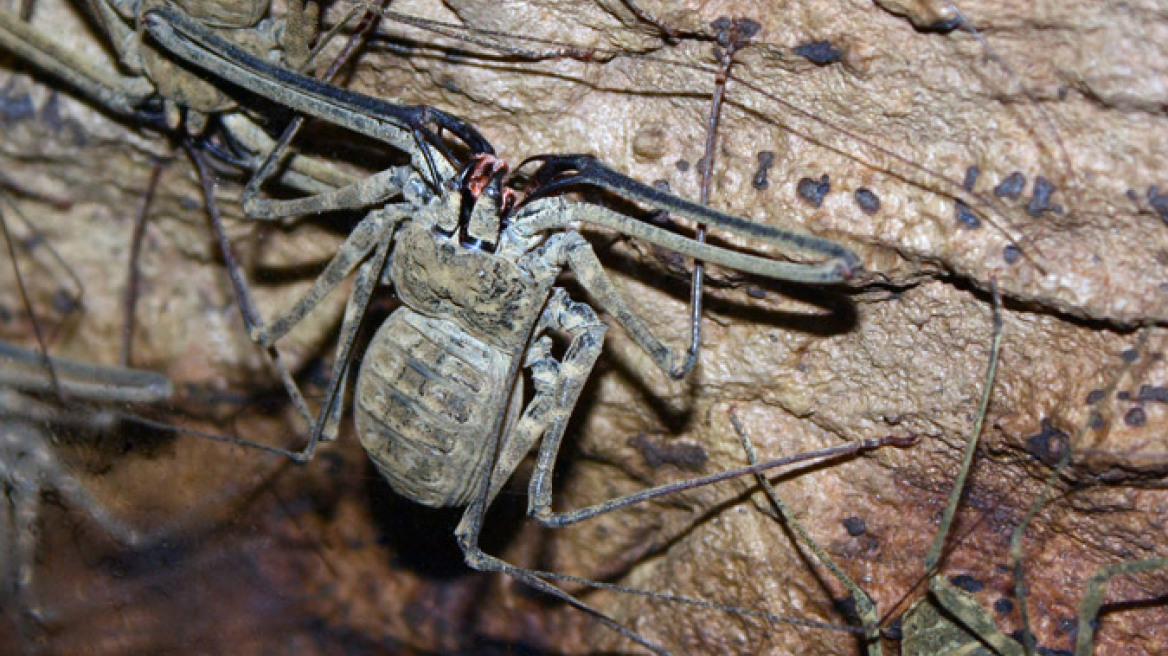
(440, 401)
(29, 465)
(152, 73)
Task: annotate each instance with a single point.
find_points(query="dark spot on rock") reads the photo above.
(188, 203)
(1095, 396)
(820, 52)
(701, 165)
(755, 292)
(1011, 254)
(855, 526)
(971, 175)
(868, 201)
(33, 241)
(734, 33)
(1011, 187)
(1158, 394)
(657, 452)
(1003, 606)
(63, 302)
(1159, 202)
(5, 314)
(1040, 201)
(448, 83)
(1048, 444)
(682, 165)
(1130, 355)
(814, 191)
(1123, 395)
(1135, 417)
(944, 25)
(967, 583)
(1095, 421)
(661, 185)
(895, 631)
(14, 105)
(966, 217)
(846, 606)
(766, 159)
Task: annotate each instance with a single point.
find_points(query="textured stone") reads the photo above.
(901, 351)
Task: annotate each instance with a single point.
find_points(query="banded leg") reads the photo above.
(557, 387)
(572, 249)
(373, 235)
(121, 95)
(29, 465)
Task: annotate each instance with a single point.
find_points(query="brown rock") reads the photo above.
(321, 558)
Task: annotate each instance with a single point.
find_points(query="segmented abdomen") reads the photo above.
(430, 401)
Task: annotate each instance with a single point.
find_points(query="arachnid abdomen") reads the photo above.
(428, 405)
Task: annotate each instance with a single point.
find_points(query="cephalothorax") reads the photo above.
(440, 404)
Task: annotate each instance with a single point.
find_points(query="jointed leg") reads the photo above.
(278, 153)
(553, 404)
(130, 298)
(29, 465)
(366, 280)
(306, 174)
(1093, 600)
(364, 193)
(557, 388)
(121, 95)
(577, 253)
(571, 248)
(21, 369)
(734, 35)
(950, 612)
(559, 172)
(375, 232)
(865, 607)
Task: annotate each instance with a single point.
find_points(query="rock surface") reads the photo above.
(321, 558)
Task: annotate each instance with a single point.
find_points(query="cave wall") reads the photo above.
(1074, 96)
